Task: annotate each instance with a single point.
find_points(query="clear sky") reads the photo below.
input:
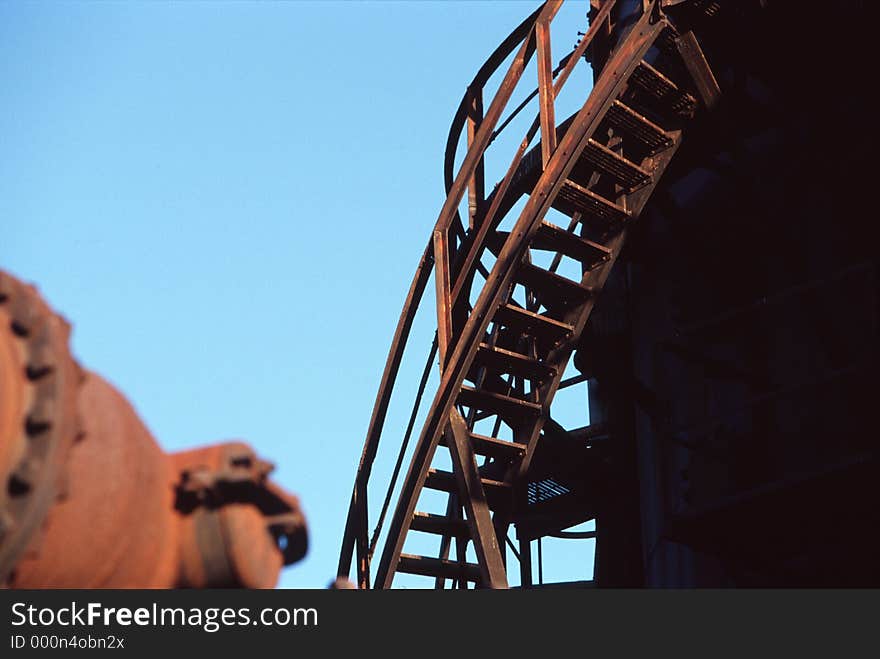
(228, 201)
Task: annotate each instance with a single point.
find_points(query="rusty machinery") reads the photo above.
(516, 285)
(91, 500)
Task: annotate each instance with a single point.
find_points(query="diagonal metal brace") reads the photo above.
(473, 497)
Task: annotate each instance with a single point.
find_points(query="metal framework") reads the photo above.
(505, 334)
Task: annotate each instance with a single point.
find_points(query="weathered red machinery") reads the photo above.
(91, 500)
(506, 331)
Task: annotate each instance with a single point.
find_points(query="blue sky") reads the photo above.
(228, 201)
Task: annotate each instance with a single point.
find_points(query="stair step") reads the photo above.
(666, 41)
(598, 157)
(444, 481)
(493, 447)
(629, 122)
(507, 361)
(438, 567)
(493, 380)
(553, 291)
(663, 90)
(496, 448)
(439, 525)
(574, 198)
(533, 324)
(552, 238)
(556, 239)
(507, 407)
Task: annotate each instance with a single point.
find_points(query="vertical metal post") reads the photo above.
(477, 183)
(525, 563)
(540, 563)
(545, 91)
(444, 311)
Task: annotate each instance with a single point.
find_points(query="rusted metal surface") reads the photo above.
(442, 284)
(599, 167)
(113, 510)
(38, 416)
(695, 61)
(114, 527)
(479, 516)
(545, 86)
(476, 186)
(491, 295)
(237, 527)
(355, 526)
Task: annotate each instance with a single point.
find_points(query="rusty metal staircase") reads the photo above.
(504, 343)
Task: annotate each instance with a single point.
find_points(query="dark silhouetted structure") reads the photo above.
(714, 194)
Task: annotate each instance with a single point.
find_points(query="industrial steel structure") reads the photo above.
(91, 501)
(695, 241)
(692, 210)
